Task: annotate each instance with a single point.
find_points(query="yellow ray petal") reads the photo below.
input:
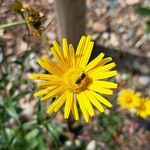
(59, 58)
(58, 49)
(44, 91)
(48, 65)
(44, 77)
(68, 104)
(57, 104)
(101, 99)
(80, 45)
(86, 52)
(105, 84)
(102, 68)
(82, 107)
(47, 83)
(71, 55)
(65, 48)
(96, 88)
(74, 109)
(80, 48)
(104, 61)
(94, 101)
(86, 56)
(88, 39)
(94, 62)
(52, 93)
(86, 103)
(53, 105)
(103, 75)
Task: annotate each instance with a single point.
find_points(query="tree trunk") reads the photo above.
(71, 19)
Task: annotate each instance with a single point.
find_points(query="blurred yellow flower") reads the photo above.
(72, 80)
(143, 110)
(127, 98)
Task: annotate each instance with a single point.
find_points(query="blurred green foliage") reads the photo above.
(109, 129)
(17, 133)
(109, 124)
(145, 12)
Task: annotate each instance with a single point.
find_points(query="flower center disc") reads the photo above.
(76, 80)
(129, 100)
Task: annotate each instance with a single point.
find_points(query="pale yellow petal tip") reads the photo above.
(35, 95)
(102, 111)
(38, 93)
(66, 116)
(92, 115)
(54, 42)
(86, 120)
(115, 85)
(43, 98)
(110, 105)
(89, 36)
(110, 92)
(115, 73)
(114, 64)
(76, 119)
(48, 112)
(51, 48)
(31, 77)
(38, 60)
(82, 37)
(64, 39)
(110, 58)
(70, 45)
(92, 44)
(43, 57)
(103, 54)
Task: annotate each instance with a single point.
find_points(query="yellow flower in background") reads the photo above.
(143, 110)
(74, 81)
(127, 98)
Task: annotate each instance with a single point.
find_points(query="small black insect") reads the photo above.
(82, 76)
(78, 81)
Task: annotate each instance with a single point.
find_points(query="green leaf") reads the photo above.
(144, 11)
(5, 136)
(32, 134)
(111, 129)
(30, 125)
(42, 145)
(10, 109)
(105, 136)
(40, 113)
(18, 95)
(148, 26)
(53, 133)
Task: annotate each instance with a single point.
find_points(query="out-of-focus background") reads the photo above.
(121, 29)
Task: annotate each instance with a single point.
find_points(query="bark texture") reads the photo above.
(71, 19)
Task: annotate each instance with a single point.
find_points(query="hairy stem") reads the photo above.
(12, 24)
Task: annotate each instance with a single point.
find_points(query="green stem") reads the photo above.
(12, 24)
(14, 136)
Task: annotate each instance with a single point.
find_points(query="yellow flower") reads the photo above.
(128, 99)
(143, 110)
(72, 80)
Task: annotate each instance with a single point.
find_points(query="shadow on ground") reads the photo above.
(125, 61)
